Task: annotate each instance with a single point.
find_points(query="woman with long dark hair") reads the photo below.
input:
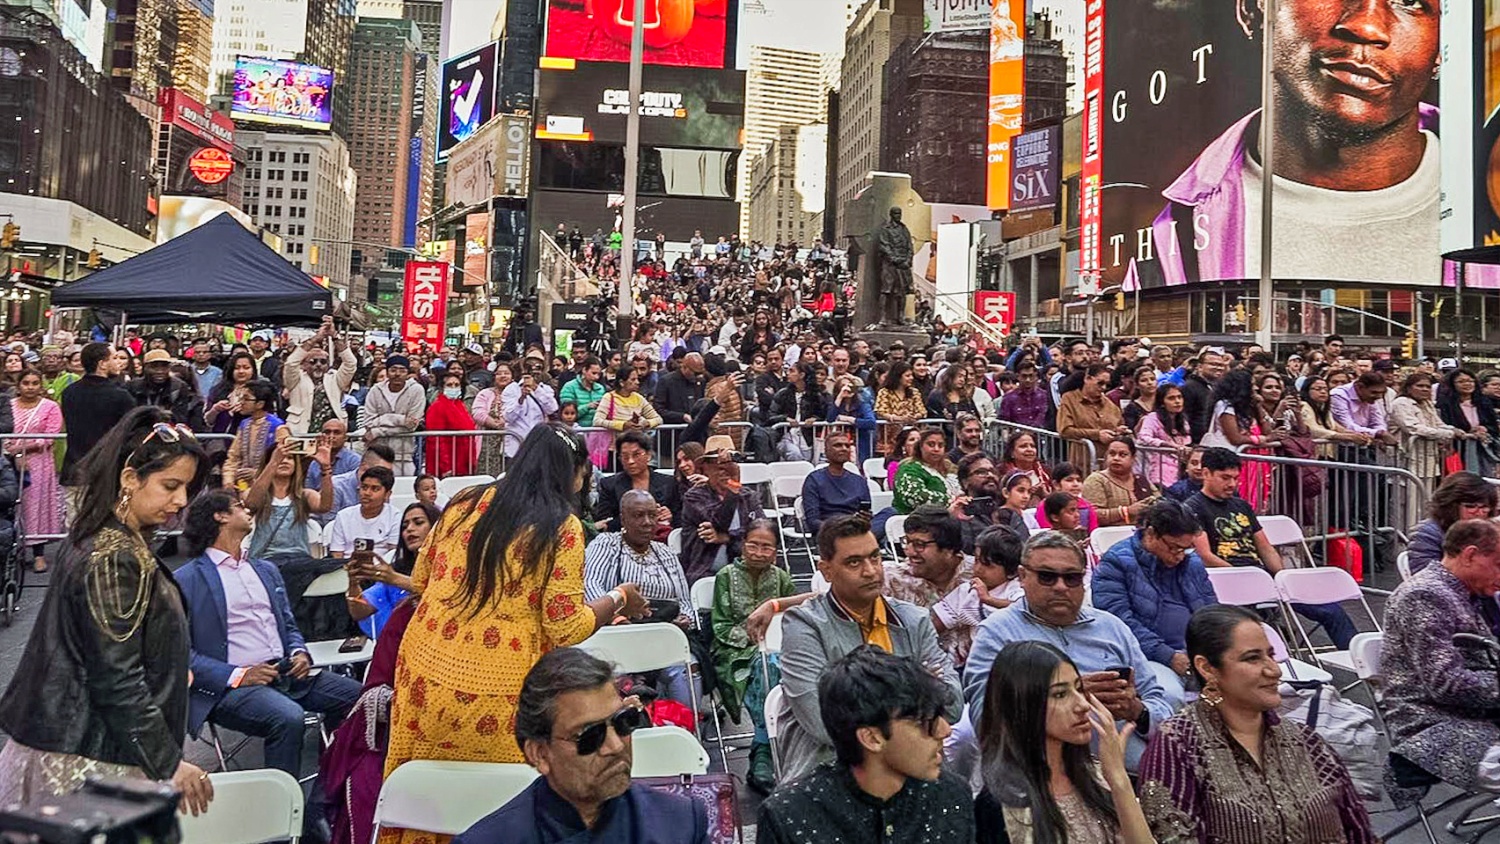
(927, 478)
(801, 404)
(389, 583)
(1317, 417)
(102, 688)
(902, 447)
(223, 403)
(897, 403)
(1022, 455)
(1462, 405)
(1167, 436)
(1040, 782)
(501, 583)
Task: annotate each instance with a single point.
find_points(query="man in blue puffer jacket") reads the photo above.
(1154, 582)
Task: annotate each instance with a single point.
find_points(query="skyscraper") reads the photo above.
(878, 27)
(383, 71)
(142, 47)
(936, 95)
(273, 28)
(302, 188)
(783, 89)
(195, 48)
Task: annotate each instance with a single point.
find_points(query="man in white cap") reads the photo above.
(477, 375)
(393, 409)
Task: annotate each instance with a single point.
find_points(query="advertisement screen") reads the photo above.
(424, 304)
(679, 107)
(1355, 144)
(956, 15)
(283, 92)
(1034, 173)
(1007, 95)
(468, 95)
(686, 33)
(476, 261)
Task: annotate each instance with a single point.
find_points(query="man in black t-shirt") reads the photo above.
(1232, 536)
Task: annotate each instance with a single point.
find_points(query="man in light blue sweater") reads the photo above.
(1106, 653)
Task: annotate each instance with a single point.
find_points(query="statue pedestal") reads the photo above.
(865, 215)
(909, 335)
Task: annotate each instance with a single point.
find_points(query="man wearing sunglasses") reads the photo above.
(575, 730)
(1108, 657)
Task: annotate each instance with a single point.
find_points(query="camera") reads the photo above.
(101, 811)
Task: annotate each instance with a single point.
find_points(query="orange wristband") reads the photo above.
(775, 605)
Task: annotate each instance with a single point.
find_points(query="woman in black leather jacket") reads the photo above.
(102, 689)
(801, 400)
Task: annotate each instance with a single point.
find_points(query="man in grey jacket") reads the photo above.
(825, 628)
(393, 410)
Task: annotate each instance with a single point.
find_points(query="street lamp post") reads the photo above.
(625, 302)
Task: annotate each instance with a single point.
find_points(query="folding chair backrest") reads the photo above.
(772, 641)
(879, 500)
(1244, 586)
(448, 797)
(1364, 651)
(702, 592)
(1282, 530)
(666, 752)
(895, 530)
(335, 582)
(674, 541)
(773, 710)
(753, 474)
(249, 807)
(786, 486)
(637, 648)
(1279, 651)
(1103, 539)
(819, 583)
(449, 487)
(874, 469)
(1403, 565)
(798, 469)
(1029, 516)
(876, 489)
(1320, 585)
(315, 544)
(405, 485)
(402, 501)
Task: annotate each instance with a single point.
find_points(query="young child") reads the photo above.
(1192, 482)
(426, 489)
(1069, 478)
(567, 413)
(1015, 500)
(997, 561)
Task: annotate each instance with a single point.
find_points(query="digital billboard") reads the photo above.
(680, 107)
(1035, 170)
(282, 92)
(1007, 96)
(468, 96)
(1471, 146)
(686, 33)
(1174, 134)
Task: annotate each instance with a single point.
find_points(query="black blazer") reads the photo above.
(612, 488)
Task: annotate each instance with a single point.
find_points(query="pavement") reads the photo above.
(1384, 817)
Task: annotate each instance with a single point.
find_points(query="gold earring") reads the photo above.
(1211, 695)
(122, 506)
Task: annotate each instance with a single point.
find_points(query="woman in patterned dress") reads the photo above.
(501, 579)
(41, 497)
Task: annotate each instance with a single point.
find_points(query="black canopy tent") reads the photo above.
(219, 272)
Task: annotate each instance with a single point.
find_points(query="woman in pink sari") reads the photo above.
(41, 496)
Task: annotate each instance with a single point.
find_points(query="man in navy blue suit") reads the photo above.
(251, 669)
(575, 730)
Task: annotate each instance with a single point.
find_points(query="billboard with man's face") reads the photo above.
(1178, 154)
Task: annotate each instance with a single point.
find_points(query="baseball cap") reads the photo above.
(1384, 365)
(474, 349)
(157, 356)
(1448, 363)
(263, 334)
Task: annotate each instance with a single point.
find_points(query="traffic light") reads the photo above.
(9, 235)
(94, 258)
(1120, 301)
(312, 255)
(1409, 346)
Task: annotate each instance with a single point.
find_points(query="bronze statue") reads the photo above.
(893, 250)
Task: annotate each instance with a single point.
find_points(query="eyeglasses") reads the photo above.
(919, 545)
(1047, 577)
(626, 721)
(165, 432)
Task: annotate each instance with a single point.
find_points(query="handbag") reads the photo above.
(1453, 462)
(714, 792)
(1347, 727)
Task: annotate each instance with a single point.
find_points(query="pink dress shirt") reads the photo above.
(253, 636)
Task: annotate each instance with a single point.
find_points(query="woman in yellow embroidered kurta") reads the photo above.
(468, 648)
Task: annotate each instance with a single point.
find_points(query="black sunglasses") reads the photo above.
(626, 721)
(1070, 579)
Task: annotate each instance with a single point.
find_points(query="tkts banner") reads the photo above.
(1172, 151)
(424, 303)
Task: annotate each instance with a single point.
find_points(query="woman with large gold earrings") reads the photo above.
(102, 688)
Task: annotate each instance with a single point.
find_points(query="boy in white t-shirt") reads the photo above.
(372, 518)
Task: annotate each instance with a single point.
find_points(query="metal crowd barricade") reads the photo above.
(1052, 448)
(1152, 462)
(1363, 496)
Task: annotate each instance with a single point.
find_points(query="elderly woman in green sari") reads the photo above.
(740, 589)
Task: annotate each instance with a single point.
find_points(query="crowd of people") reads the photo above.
(981, 673)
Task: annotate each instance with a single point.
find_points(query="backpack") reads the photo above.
(1347, 727)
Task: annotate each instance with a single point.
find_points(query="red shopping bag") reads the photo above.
(1347, 554)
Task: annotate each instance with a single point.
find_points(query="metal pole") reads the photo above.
(1421, 346)
(626, 302)
(1458, 311)
(1267, 174)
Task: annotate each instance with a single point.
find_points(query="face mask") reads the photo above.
(452, 392)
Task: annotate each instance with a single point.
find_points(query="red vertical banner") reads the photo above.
(424, 304)
(996, 308)
(1091, 179)
(1007, 96)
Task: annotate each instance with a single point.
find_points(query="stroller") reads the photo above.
(12, 550)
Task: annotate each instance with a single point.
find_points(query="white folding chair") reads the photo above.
(786, 492)
(449, 487)
(674, 541)
(798, 532)
(874, 469)
(1029, 516)
(879, 500)
(325, 654)
(755, 474)
(770, 644)
(798, 469)
(702, 593)
(773, 724)
(1403, 565)
(819, 583)
(1284, 530)
(402, 501)
(895, 534)
(1322, 585)
(249, 807)
(1244, 586)
(1104, 538)
(666, 752)
(1292, 669)
(315, 544)
(405, 485)
(447, 797)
